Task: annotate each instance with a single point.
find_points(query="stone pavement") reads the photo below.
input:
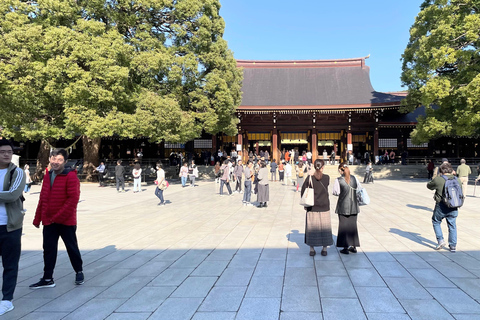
(206, 257)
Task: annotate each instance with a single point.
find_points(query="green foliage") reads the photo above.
(441, 68)
(156, 68)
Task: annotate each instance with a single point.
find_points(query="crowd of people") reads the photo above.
(60, 192)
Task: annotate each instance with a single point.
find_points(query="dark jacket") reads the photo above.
(11, 195)
(347, 203)
(119, 171)
(321, 202)
(58, 203)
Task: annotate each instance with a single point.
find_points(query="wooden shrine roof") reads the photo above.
(311, 84)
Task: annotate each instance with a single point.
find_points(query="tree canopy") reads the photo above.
(156, 68)
(441, 69)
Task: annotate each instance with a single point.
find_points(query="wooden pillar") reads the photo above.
(314, 145)
(375, 143)
(256, 148)
(240, 143)
(246, 144)
(274, 154)
(349, 141)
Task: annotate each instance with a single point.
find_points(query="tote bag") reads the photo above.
(362, 195)
(307, 197)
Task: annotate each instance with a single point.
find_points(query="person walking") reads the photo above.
(28, 179)
(273, 170)
(249, 174)
(463, 171)
(184, 174)
(161, 184)
(347, 209)
(288, 173)
(12, 180)
(57, 211)
(192, 173)
(263, 194)
(300, 169)
(137, 178)
(441, 211)
(101, 172)
(120, 176)
(368, 173)
(237, 174)
(318, 225)
(225, 179)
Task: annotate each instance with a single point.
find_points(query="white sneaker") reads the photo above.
(5, 306)
(440, 245)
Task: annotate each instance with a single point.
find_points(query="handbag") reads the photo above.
(362, 195)
(163, 185)
(307, 198)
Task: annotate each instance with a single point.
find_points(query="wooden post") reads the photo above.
(314, 145)
(240, 142)
(274, 144)
(375, 143)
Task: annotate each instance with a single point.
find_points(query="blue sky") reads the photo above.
(319, 29)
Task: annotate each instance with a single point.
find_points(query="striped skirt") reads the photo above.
(318, 229)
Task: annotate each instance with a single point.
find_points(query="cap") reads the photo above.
(444, 160)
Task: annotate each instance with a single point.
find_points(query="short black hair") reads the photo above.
(5, 142)
(59, 151)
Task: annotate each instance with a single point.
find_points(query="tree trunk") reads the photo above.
(91, 148)
(42, 160)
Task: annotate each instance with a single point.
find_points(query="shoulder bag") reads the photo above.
(307, 199)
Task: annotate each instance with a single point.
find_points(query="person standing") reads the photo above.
(101, 172)
(57, 211)
(161, 184)
(28, 179)
(225, 179)
(184, 174)
(281, 171)
(309, 157)
(347, 209)
(368, 173)
(120, 176)
(318, 226)
(248, 172)
(463, 171)
(332, 157)
(237, 174)
(430, 168)
(12, 180)
(273, 170)
(137, 178)
(441, 211)
(217, 172)
(263, 194)
(300, 169)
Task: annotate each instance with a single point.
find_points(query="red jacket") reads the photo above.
(58, 204)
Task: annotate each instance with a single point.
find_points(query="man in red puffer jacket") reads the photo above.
(57, 211)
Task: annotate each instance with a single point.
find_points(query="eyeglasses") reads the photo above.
(2, 152)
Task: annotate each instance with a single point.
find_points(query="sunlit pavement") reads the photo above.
(203, 256)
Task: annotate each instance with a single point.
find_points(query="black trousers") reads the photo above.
(51, 233)
(10, 248)
(238, 184)
(100, 178)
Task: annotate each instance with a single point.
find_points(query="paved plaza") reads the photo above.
(206, 257)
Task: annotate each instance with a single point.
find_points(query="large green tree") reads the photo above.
(441, 69)
(156, 68)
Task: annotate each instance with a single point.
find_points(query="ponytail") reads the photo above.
(318, 165)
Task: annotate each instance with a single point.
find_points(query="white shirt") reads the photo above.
(309, 155)
(3, 210)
